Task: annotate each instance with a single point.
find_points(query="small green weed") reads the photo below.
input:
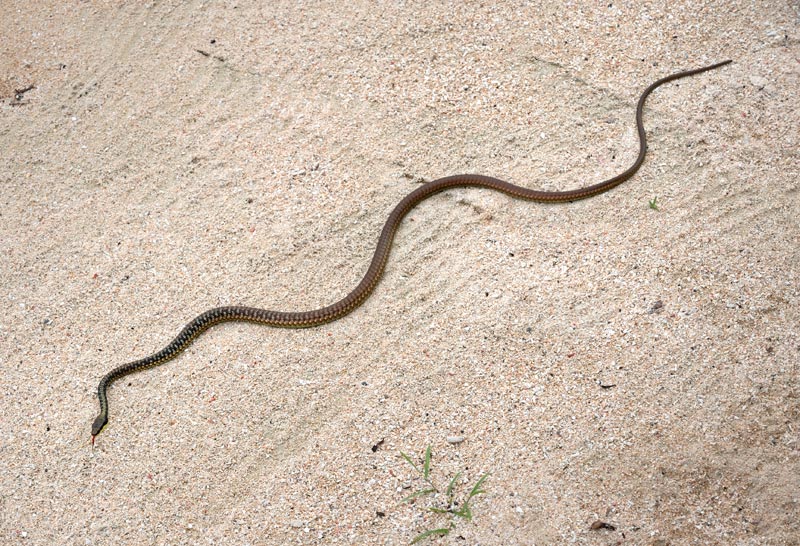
(654, 203)
(447, 504)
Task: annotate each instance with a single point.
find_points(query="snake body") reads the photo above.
(305, 319)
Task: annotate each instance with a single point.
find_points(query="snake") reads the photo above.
(337, 310)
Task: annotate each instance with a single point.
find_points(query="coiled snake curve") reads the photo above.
(305, 319)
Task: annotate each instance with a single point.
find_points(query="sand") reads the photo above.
(605, 362)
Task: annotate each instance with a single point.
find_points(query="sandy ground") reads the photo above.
(604, 361)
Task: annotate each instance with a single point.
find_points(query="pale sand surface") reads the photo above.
(604, 361)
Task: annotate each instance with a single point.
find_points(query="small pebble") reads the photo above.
(455, 439)
(602, 525)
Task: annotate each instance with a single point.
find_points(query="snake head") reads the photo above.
(98, 425)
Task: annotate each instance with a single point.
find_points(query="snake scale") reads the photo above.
(305, 319)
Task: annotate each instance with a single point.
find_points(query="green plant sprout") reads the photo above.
(450, 507)
(654, 203)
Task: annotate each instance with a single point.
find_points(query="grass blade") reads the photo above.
(409, 461)
(426, 469)
(465, 512)
(438, 532)
(476, 489)
(420, 493)
(451, 487)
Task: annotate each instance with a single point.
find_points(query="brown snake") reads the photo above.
(305, 319)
